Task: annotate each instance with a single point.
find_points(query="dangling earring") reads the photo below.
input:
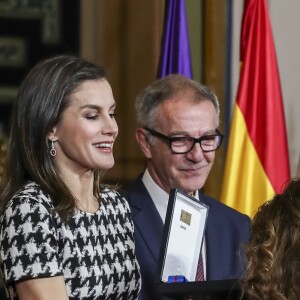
(52, 150)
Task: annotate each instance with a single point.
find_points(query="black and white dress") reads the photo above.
(94, 252)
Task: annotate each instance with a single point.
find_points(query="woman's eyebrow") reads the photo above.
(94, 106)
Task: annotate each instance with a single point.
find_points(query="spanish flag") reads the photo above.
(257, 163)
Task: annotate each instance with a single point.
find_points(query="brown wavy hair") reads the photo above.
(273, 252)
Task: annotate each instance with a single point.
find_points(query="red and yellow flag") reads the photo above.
(257, 163)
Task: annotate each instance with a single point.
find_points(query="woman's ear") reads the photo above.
(143, 142)
(52, 135)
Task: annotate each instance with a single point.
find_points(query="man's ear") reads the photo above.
(143, 141)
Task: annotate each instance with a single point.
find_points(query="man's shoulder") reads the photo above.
(222, 210)
(134, 186)
(226, 221)
(136, 194)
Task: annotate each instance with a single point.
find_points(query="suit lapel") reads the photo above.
(216, 262)
(146, 218)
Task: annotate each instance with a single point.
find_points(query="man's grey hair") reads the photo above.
(165, 89)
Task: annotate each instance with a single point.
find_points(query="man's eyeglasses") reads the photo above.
(184, 144)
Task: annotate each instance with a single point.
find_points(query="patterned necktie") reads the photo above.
(200, 270)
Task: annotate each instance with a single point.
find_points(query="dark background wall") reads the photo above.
(124, 37)
(29, 32)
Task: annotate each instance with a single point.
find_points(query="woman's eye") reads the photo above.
(113, 115)
(92, 117)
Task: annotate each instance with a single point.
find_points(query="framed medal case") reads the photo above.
(183, 236)
(180, 250)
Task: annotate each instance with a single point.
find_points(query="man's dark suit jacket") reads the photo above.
(226, 231)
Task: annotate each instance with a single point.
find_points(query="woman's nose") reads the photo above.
(110, 127)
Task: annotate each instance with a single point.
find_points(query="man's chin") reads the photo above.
(189, 188)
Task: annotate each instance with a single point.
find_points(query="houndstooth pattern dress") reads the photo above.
(93, 251)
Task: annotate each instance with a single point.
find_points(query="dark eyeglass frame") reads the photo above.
(170, 140)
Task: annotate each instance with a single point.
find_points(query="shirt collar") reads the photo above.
(158, 195)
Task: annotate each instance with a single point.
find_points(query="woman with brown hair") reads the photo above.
(273, 252)
(63, 233)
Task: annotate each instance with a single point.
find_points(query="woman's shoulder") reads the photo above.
(113, 197)
(31, 193)
(30, 205)
(108, 192)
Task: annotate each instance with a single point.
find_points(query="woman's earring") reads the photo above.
(52, 150)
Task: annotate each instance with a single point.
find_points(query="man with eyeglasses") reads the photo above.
(177, 131)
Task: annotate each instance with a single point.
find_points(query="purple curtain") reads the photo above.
(175, 48)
